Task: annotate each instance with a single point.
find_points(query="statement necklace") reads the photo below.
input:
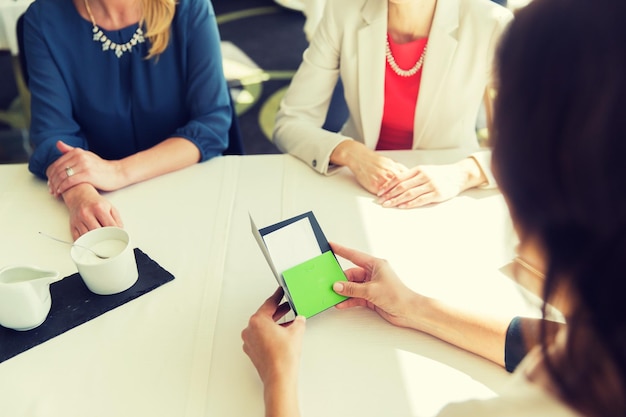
(396, 68)
(107, 44)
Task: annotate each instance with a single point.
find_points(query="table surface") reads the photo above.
(176, 351)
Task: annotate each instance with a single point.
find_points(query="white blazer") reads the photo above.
(350, 43)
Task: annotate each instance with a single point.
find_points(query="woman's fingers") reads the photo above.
(269, 307)
(356, 257)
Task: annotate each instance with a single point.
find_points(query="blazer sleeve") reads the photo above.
(503, 18)
(298, 128)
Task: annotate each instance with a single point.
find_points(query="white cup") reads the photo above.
(108, 276)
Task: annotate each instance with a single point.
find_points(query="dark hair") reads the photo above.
(559, 154)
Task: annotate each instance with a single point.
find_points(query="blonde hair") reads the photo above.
(158, 16)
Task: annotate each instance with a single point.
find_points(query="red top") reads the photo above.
(396, 131)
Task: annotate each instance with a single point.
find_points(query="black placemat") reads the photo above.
(73, 304)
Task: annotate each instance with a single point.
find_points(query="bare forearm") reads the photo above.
(281, 399)
(476, 333)
(170, 155)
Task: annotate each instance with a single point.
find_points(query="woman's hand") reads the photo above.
(428, 184)
(89, 210)
(373, 284)
(77, 166)
(371, 170)
(275, 349)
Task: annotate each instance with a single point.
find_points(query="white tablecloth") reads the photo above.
(10, 11)
(354, 363)
(149, 357)
(176, 351)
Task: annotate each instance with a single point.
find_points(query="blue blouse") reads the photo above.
(115, 107)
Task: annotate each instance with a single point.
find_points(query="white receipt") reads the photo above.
(292, 245)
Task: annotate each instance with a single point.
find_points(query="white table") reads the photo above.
(10, 11)
(354, 363)
(149, 357)
(176, 351)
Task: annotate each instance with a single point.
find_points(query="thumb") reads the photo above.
(351, 289)
(64, 147)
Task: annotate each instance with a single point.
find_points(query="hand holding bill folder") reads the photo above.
(302, 262)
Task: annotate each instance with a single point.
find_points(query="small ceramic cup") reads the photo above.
(108, 276)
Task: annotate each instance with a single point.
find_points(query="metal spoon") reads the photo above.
(74, 244)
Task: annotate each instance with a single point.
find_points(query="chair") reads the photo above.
(235, 141)
(20, 45)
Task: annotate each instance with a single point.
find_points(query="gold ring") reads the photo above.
(69, 171)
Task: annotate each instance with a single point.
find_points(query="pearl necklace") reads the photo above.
(396, 68)
(107, 44)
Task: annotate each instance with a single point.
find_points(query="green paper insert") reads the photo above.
(310, 284)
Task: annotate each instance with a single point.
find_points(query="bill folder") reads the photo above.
(302, 262)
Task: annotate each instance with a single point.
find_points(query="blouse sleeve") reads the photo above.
(522, 335)
(206, 91)
(514, 346)
(51, 107)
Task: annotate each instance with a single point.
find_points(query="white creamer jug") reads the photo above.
(25, 296)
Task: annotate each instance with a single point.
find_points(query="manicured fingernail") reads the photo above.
(387, 203)
(338, 287)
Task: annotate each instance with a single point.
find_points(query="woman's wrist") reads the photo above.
(472, 173)
(78, 192)
(418, 310)
(343, 154)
